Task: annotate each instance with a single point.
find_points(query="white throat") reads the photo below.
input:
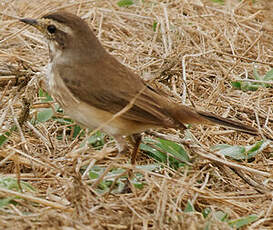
(54, 52)
(55, 56)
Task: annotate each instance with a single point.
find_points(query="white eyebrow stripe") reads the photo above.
(63, 27)
(59, 26)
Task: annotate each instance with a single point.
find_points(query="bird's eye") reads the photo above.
(51, 29)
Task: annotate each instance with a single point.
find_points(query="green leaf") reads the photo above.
(137, 184)
(189, 207)
(76, 130)
(253, 86)
(174, 149)
(220, 215)
(4, 137)
(96, 140)
(154, 26)
(245, 86)
(125, 3)
(159, 156)
(6, 201)
(103, 187)
(238, 223)
(111, 176)
(206, 212)
(115, 172)
(236, 84)
(257, 147)
(64, 121)
(95, 172)
(248, 86)
(176, 156)
(219, 1)
(241, 152)
(12, 184)
(235, 152)
(45, 96)
(149, 167)
(44, 115)
(59, 109)
(93, 175)
(268, 77)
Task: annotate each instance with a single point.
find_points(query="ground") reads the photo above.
(214, 55)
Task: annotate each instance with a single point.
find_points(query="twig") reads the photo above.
(35, 199)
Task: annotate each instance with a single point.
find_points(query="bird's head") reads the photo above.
(66, 31)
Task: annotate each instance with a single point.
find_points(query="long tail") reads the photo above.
(228, 123)
(190, 116)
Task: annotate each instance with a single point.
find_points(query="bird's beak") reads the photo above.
(29, 21)
(37, 23)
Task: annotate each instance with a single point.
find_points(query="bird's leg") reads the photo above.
(121, 144)
(136, 140)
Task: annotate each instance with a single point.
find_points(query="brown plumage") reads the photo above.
(100, 86)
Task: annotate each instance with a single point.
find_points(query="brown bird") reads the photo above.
(92, 86)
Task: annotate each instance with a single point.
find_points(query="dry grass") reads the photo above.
(205, 44)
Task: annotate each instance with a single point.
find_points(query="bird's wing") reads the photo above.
(108, 85)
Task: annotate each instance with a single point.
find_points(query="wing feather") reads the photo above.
(108, 85)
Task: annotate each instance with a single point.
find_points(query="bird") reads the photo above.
(91, 86)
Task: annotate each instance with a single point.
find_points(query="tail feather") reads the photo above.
(188, 115)
(228, 123)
